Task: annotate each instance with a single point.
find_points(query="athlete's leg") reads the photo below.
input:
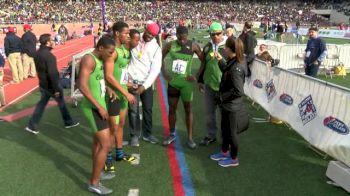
(102, 141)
(173, 99)
(120, 128)
(189, 118)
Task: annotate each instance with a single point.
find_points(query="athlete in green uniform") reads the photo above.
(92, 86)
(180, 80)
(117, 78)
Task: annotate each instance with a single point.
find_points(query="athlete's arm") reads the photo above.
(87, 65)
(165, 51)
(196, 49)
(109, 70)
(200, 74)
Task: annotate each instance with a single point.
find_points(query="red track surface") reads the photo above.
(63, 53)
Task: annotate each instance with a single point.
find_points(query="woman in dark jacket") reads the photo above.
(231, 101)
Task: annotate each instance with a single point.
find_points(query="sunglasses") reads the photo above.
(217, 34)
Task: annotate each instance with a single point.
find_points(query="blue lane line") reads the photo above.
(180, 156)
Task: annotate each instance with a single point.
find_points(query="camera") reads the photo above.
(275, 62)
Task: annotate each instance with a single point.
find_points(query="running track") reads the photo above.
(63, 53)
(182, 183)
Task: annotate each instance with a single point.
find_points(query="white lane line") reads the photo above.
(20, 97)
(137, 160)
(133, 192)
(60, 59)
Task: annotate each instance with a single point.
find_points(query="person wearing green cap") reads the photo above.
(209, 77)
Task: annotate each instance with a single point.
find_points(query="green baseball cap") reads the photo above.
(215, 27)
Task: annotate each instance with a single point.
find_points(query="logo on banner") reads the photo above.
(307, 110)
(286, 99)
(257, 83)
(336, 125)
(270, 90)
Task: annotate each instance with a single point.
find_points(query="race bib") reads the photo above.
(124, 78)
(307, 54)
(179, 66)
(103, 87)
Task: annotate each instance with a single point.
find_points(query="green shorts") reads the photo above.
(123, 102)
(93, 117)
(179, 87)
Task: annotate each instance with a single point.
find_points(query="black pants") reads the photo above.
(40, 107)
(311, 70)
(134, 112)
(229, 126)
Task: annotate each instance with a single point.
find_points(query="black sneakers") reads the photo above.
(207, 140)
(74, 124)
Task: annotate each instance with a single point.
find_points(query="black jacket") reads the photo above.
(249, 43)
(46, 67)
(2, 61)
(29, 43)
(12, 44)
(231, 85)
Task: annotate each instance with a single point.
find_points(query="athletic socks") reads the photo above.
(109, 157)
(119, 153)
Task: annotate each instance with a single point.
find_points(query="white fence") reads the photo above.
(292, 55)
(317, 110)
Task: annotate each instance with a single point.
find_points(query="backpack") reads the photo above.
(340, 70)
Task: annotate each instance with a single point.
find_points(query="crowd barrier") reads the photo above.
(292, 55)
(317, 110)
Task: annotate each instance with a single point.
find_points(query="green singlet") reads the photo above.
(97, 86)
(120, 73)
(181, 67)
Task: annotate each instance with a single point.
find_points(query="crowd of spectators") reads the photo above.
(46, 11)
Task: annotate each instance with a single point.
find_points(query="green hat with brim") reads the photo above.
(215, 27)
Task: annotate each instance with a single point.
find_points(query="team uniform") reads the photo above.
(97, 85)
(121, 75)
(181, 56)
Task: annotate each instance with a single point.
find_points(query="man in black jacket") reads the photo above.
(249, 41)
(29, 48)
(46, 66)
(13, 49)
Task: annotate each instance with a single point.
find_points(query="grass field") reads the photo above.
(274, 160)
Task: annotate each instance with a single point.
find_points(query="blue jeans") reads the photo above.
(40, 107)
(211, 107)
(134, 112)
(311, 70)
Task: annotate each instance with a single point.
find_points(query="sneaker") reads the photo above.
(229, 162)
(74, 124)
(126, 157)
(109, 167)
(170, 139)
(31, 130)
(125, 143)
(99, 189)
(191, 144)
(220, 156)
(151, 138)
(207, 140)
(134, 142)
(106, 176)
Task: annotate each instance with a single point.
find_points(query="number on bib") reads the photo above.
(179, 66)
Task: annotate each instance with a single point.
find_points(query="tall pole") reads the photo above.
(103, 14)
